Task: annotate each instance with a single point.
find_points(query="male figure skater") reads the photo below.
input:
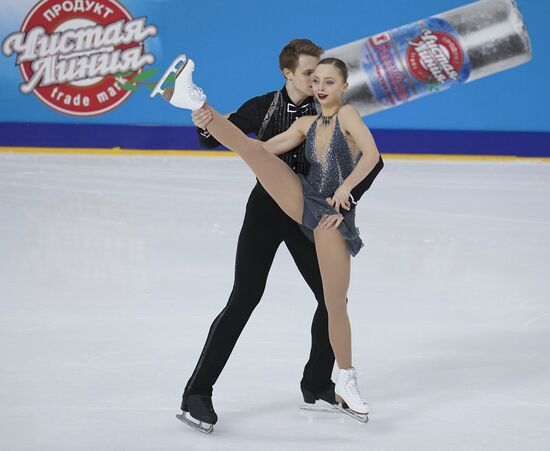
(264, 228)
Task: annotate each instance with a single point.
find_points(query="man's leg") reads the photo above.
(318, 370)
(259, 239)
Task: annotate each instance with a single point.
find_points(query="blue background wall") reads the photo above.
(236, 43)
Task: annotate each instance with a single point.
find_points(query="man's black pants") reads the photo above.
(265, 227)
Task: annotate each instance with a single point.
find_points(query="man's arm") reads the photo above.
(364, 185)
(248, 118)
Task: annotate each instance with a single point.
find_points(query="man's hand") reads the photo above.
(202, 117)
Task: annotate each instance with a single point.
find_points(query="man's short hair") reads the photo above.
(288, 58)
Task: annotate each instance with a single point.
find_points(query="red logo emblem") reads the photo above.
(435, 57)
(77, 55)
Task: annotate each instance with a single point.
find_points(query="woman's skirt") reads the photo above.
(315, 206)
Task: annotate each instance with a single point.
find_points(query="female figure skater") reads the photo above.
(341, 151)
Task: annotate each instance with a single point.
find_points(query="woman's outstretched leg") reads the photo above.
(277, 178)
(282, 184)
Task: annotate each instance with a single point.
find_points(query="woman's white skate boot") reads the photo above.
(348, 395)
(184, 94)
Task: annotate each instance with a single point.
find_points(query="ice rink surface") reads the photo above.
(113, 267)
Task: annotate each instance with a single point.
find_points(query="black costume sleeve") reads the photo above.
(248, 118)
(365, 184)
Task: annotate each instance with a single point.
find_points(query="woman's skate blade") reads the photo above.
(201, 426)
(361, 417)
(167, 93)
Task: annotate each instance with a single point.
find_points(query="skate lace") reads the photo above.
(353, 388)
(197, 93)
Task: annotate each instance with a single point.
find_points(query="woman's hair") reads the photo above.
(288, 58)
(339, 64)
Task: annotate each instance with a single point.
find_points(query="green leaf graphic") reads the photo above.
(145, 75)
(129, 86)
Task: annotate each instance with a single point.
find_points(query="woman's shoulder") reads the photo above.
(305, 122)
(349, 117)
(348, 111)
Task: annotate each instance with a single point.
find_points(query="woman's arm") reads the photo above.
(289, 139)
(351, 122)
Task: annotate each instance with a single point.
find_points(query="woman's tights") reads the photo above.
(285, 188)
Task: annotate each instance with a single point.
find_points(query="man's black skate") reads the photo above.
(311, 399)
(198, 412)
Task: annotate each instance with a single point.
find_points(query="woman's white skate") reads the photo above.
(184, 94)
(349, 398)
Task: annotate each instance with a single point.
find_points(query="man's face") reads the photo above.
(301, 77)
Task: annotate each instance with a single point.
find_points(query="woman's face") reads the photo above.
(328, 84)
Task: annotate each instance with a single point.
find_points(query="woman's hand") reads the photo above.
(202, 117)
(329, 222)
(340, 198)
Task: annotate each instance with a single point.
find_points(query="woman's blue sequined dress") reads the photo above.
(326, 174)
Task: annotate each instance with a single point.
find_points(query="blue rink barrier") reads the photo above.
(139, 137)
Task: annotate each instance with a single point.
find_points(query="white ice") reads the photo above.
(112, 269)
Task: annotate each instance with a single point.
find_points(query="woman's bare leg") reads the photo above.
(282, 184)
(334, 263)
(286, 189)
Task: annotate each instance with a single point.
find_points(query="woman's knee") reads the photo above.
(336, 306)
